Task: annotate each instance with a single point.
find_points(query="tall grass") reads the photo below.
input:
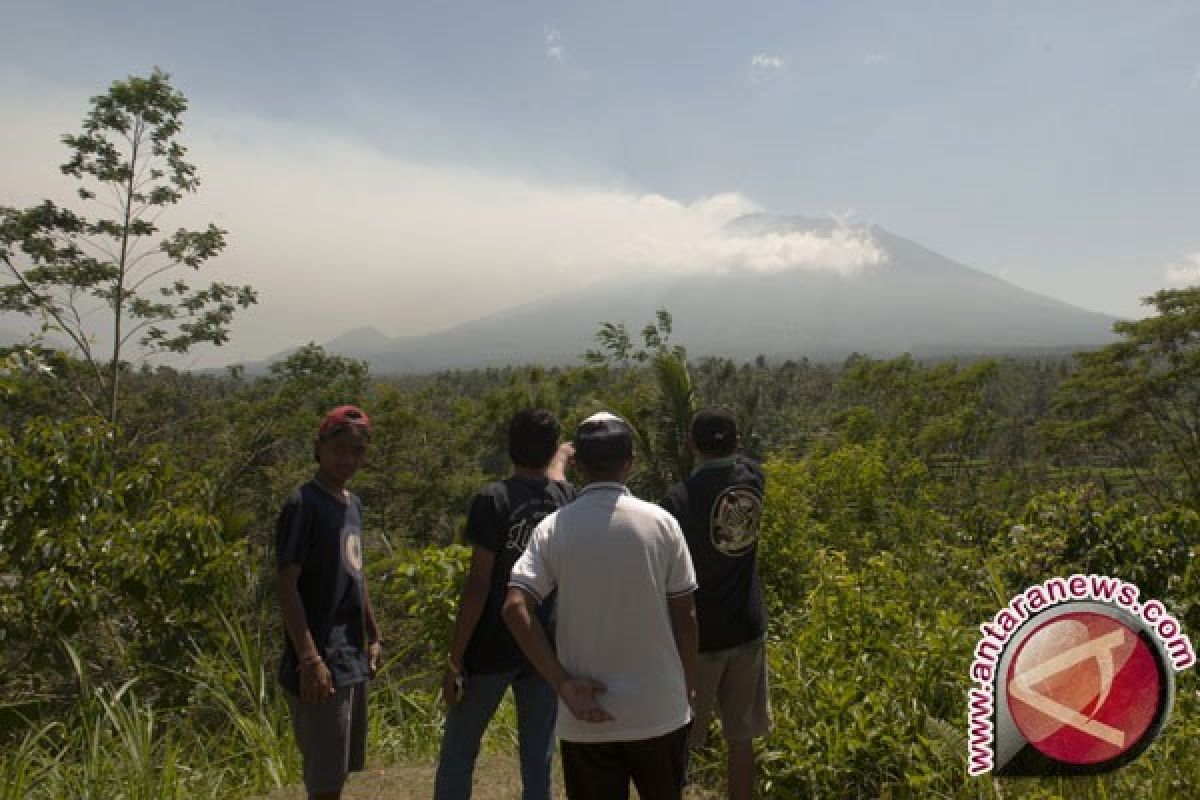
(234, 690)
(110, 745)
(233, 738)
(22, 768)
(846, 727)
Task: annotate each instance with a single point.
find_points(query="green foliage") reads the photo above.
(938, 409)
(868, 664)
(1137, 401)
(780, 408)
(1078, 531)
(113, 743)
(848, 499)
(277, 417)
(905, 503)
(128, 552)
(255, 440)
(423, 589)
(130, 167)
(233, 690)
(869, 646)
(424, 467)
(659, 410)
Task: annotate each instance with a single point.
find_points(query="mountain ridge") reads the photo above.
(916, 301)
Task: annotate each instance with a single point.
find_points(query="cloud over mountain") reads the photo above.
(1186, 273)
(911, 300)
(844, 251)
(335, 234)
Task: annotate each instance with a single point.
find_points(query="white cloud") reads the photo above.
(876, 57)
(1185, 274)
(691, 245)
(554, 46)
(766, 61)
(336, 235)
(1195, 83)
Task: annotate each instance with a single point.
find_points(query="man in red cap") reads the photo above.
(333, 644)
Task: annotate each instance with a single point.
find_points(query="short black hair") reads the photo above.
(533, 438)
(603, 443)
(714, 431)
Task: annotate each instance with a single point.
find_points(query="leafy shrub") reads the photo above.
(128, 552)
(420, 590)
(868, 665)
(1078, 530)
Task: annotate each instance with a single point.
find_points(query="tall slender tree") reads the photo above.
(66, 266)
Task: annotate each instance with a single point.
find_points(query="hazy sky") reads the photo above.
(412, 165)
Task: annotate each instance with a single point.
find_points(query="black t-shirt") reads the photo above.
(324, 536)
(502, 518)
(719, 508)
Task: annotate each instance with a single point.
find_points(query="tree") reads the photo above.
(661, 420)
(65, 266)
(267, 449)
(1137, 401)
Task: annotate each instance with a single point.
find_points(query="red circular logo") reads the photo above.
(1083, 688)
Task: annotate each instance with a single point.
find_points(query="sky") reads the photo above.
(412, 165)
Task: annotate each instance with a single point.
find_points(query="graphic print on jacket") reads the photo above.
(735, 516)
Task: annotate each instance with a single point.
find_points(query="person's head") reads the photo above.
(532, 438)
(604, 448)
(714, 433)
(341, 443)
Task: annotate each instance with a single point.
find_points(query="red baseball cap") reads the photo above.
(343, 417)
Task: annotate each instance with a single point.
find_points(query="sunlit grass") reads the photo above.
(866, 687)
(232, 740)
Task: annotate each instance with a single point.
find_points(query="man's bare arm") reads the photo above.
(470, 609)
(578, 693)
(374, 638)
(687, 636)
(530, 636)
(316, 683)
(557, 471)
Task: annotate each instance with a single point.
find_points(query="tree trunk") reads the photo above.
(119, 290)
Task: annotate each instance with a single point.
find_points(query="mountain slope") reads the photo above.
(916, 301)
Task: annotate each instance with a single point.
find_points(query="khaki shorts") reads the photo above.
(332, 736)
(734, 680)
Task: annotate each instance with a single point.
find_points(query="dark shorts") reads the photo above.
(332, 737)
(603, 770)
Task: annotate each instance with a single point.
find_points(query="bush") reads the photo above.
(127, 551)
(1078, 530)
(418, 592)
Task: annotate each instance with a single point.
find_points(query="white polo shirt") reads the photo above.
(615, 560)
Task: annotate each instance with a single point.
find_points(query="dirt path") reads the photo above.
(496, 778)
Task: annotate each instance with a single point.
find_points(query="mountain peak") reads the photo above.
(762, 224)
(923, 303)
(366, 339)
